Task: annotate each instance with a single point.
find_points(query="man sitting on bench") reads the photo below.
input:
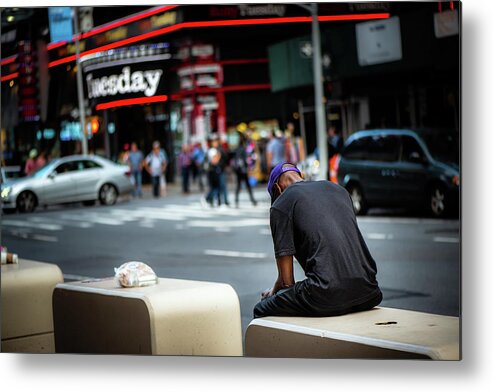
(314, 222)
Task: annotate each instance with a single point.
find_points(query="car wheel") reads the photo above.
(359, 203)
(438, 201)
(26, 202)
(108, 195)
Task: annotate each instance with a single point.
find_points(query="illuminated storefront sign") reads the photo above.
(126, 76)
(126, 82)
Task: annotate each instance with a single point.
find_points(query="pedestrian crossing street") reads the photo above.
(193, 215)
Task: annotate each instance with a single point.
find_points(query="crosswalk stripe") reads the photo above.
(451, 240)
(34, 225)
(81, 225)
(232, 253)
(380, 236)
(236, 223)
(93, 219)
(46, 238)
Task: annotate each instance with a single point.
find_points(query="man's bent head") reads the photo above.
(273, 187)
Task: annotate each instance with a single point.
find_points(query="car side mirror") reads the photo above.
(52, 175)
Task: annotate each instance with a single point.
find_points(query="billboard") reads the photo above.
(379, 41)
(61, 28)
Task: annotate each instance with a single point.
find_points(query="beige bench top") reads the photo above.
(431, 335)
(164, 288)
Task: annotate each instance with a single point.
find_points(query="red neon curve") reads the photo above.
(219, 23)
(131, 101)
(8, 60)
(113, 25)
(9, 77)
(130, 19)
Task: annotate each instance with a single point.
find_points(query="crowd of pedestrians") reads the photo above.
(207, 165)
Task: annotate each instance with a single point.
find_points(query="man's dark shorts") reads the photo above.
(294, 302)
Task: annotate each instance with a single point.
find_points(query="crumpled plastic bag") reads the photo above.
(135, 274)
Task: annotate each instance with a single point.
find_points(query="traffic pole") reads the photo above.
(80, 89)
(319, 104)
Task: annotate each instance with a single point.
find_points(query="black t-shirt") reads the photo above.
(315, 222)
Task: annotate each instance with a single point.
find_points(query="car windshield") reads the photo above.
(443, 146)
(42, 171)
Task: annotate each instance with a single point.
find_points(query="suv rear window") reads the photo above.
(382, 148)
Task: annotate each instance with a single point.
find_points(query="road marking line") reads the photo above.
(143, 213)
(222, 229)
(80, 225)
(92, 219)
(232, 253)
(21, 234)
(412, 221)
(451, 240)
(46, 238)
(34, 225)
(380, 236)
(146, 223)
(238, 223)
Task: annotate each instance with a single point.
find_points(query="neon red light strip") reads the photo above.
(9, 77)
(56, 45)
(335, 18)
(247, 22)
(118, 44)
(8, 60)
(62, 61)
(217, 23)
(114, 25)
(130, 19)
(245, 87)
(131, 101)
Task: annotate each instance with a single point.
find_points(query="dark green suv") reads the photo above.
(402, 168)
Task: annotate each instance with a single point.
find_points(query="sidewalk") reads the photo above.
(175, 189)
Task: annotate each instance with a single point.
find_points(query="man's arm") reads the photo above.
(285, 277)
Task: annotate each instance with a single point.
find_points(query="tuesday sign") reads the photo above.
(124, 82)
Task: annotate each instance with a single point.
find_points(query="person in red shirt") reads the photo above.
(31, 165)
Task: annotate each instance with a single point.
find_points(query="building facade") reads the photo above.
(179, 73)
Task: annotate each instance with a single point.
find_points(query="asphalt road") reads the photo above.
(418, 259)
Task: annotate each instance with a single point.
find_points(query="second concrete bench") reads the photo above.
(384, 333)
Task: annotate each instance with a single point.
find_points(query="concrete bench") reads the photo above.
(173, 317)
(379, 333)
(26, 306)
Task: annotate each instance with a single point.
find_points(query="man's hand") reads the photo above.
(285, 278)
(268, 293)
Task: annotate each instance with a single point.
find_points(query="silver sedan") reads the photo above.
(69, 179)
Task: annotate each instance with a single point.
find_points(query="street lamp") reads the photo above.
(318, 84)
